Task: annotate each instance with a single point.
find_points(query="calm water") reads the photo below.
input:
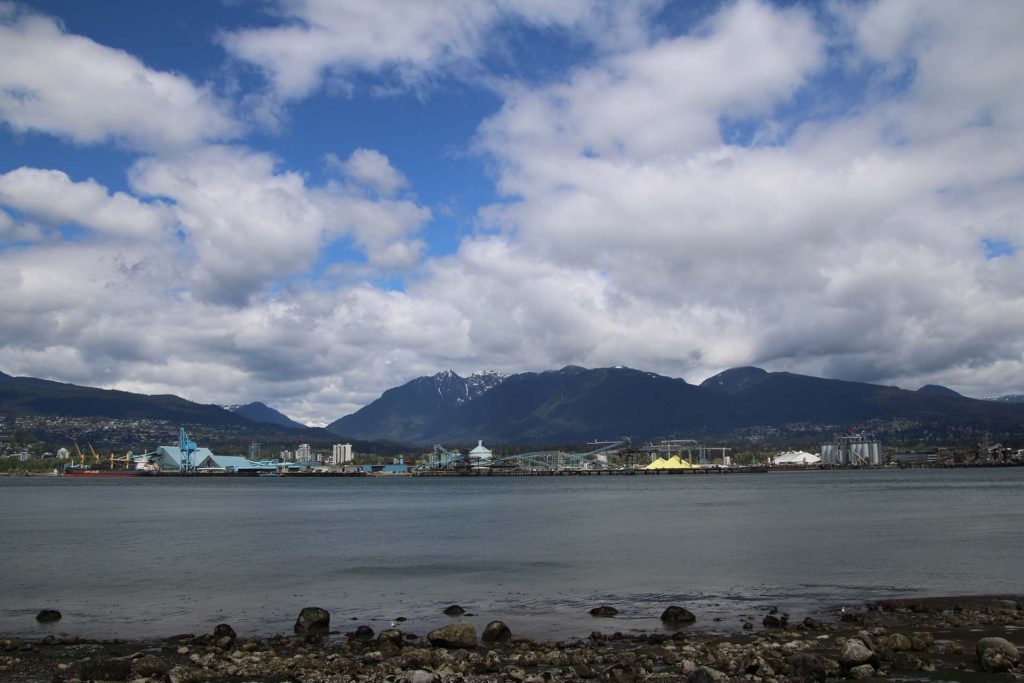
(162, 556)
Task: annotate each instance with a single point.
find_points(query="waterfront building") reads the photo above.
(480, 456)
(169, 459)
(397, 466)
(303, 452)
(796, 458)
(341, 453)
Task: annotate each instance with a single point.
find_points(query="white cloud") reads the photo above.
(359, 36)
(325, 39)
(665, 101)
(372, 169)
(70, 86)
(18, 231)
(53, 197)
(252, 224)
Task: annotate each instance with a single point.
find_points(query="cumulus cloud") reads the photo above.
(665, 101)
(372, 169)
(53, 197)
(251, 223)
(72, 87)
(12, 231)
(326, 39)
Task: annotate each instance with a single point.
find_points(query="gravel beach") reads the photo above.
(938, 639)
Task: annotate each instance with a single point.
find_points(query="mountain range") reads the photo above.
(261, 412)
(561, 406)
(579, 404)
(227, 426)
(31, 396)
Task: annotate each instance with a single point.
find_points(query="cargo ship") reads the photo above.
(115, 467)
(103, 471)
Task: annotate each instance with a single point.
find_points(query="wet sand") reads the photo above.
(915, 640)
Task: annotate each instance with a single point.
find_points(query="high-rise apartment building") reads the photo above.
(341, 453)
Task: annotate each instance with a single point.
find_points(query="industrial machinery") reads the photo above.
(560, 460)
(188, 448)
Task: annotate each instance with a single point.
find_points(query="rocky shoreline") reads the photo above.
(939, 639)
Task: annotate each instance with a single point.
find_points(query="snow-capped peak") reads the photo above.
(451, 385)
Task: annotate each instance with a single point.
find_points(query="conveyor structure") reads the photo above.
(560, 460)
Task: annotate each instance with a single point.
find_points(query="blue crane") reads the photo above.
(187, 447)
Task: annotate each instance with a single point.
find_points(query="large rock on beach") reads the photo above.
(678, 615)
(313, 621)
(997, 654)
(862, 672)
(48, 616)
(806, 668)
(454, 610)
(496, 632)
(362, 634)
(921, 641)
(899, 643)
(604, 611)
(392, 635)
(453, 636)
(224, 631)
(771, 621)
(856, 653)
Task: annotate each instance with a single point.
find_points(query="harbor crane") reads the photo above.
(187, 447)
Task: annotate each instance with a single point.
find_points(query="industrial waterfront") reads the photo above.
(617, 457)
(136, 557)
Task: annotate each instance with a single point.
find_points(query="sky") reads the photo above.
(306, 202)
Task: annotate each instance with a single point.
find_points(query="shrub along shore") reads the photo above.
(950, 639)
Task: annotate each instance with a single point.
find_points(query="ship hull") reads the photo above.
(106, 473)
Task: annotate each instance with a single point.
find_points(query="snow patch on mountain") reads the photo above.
(452, 387)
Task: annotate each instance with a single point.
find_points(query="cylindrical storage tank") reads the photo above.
(828, 453)
(876, 453)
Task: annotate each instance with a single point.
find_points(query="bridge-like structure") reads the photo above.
(561, 460)
(443, 459)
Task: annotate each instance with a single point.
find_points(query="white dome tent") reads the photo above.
(796, 458)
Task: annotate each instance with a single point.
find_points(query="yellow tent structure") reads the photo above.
(658, 464)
